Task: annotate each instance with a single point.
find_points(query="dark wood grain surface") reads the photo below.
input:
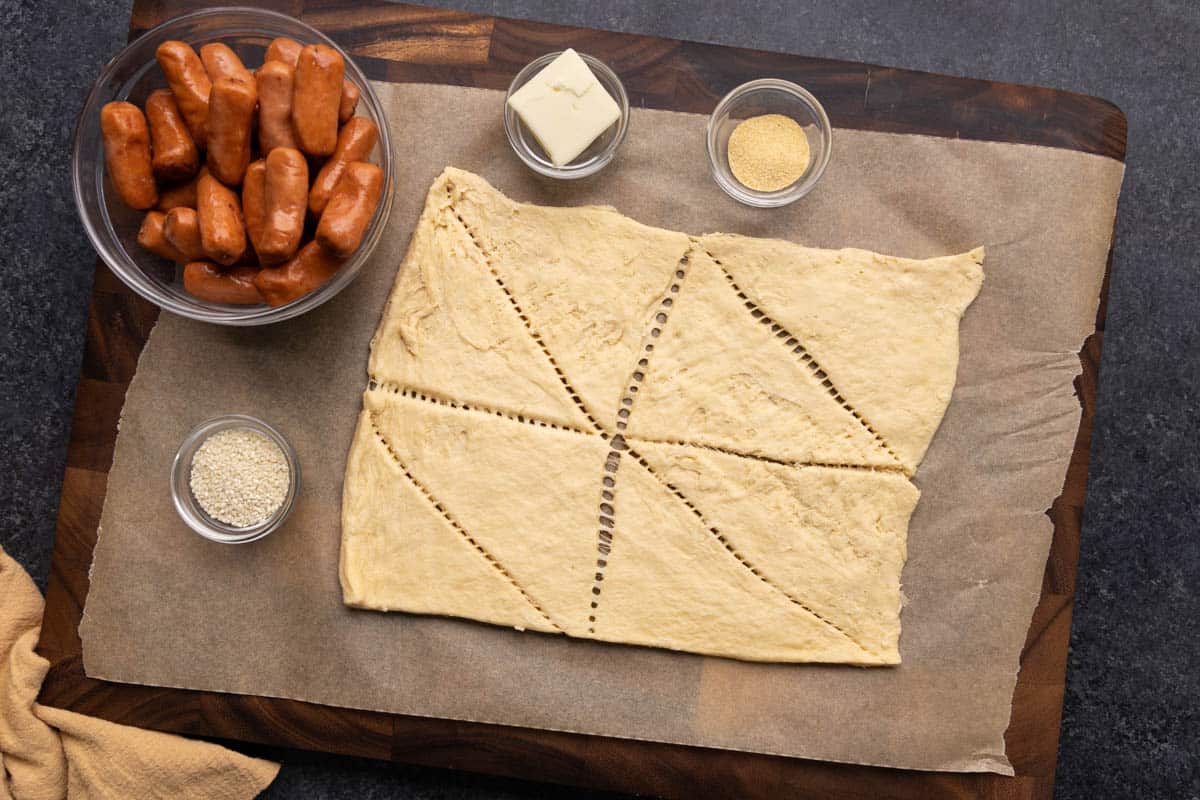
(407, 43)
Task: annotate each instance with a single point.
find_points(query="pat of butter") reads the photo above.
(565, 107)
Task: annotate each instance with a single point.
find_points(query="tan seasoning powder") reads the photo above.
(768, 153)
(239, 477)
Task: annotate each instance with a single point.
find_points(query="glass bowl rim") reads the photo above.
(180, 480)
(95, 219)
(788, 194)
(601, 159)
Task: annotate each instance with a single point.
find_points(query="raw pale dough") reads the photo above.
(720, 377)
(884, 329)
(589, 281)
(579, 424)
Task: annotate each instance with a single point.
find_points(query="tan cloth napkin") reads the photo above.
(51, 754)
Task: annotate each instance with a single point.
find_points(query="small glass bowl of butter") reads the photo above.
(566, 114)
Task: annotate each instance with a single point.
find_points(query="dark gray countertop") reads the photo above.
(1130, 723)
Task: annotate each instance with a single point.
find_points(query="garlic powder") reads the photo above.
(768, 153)
(239, 477)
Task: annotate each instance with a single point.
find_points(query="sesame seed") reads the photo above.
(239, 477)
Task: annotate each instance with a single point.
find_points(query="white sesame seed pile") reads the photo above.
(239, 477)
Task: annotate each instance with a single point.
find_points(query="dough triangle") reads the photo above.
(835, 538)
(400, 553)
(449, 331)
(719, 376)
(896, 362)
(670, 582)
(529, 495)
(588, 279)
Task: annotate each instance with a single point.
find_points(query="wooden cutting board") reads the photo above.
(402, 43)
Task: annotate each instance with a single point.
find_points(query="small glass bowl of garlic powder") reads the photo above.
(234, 479)
(768, 143)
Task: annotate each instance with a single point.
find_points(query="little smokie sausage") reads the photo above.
(150, 236)
(175, 157)
(285, 50)
(286, 200)
(230, 124)
(189, 83)
(274, 81)
(222, 232)
(298, 276)
(181, 229)
(232, 285)
(350, 207)
(355, 142)
(221, 62)
(254, 201)
(127, 154)
(348, 103)
(181, 194)
(316, 98)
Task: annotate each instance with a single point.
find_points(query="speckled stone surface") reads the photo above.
(1130, 723)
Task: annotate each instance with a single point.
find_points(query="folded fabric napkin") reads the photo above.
(51, 754)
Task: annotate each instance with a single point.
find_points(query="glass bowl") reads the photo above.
(768, 96)
(598, 154)
(131, 76)
(191, 512)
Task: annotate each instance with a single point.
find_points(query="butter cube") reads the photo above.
(565, 107)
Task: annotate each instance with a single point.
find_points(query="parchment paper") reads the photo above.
(168, 608)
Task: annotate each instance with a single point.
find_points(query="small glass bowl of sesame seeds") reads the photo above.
(235, 479)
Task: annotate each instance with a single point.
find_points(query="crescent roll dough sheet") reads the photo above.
(577, 424)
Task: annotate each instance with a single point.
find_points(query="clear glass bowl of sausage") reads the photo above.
(114, 227)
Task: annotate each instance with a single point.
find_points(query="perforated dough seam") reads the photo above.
(441, 509)
(806, 358)
(617, 444)
(420, 394)
(733, 551)
(537, 338)
(768, 459)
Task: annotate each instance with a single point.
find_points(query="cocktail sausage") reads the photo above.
(316, 98)
(222, 231)
(298, 276)
(181, 194)
(254, 201)
(232, 285)
(189, 83)
(181, 229)
(127, 154)
(221, 62)
(175, 156)
(350, 208)
(274, 80)
(355, 142)
(230, 124)
(285, 204)
(348, 103)
(150, 236)
(285, 50)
